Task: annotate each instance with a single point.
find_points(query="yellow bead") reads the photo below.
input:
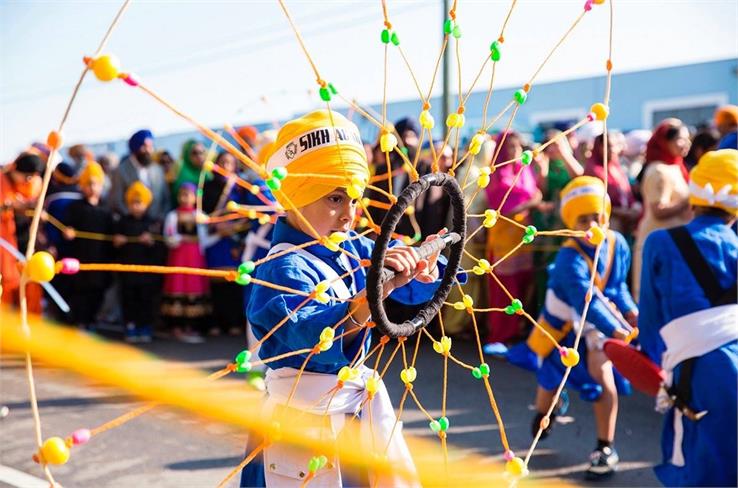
(468, 301)
(255, 190)
(231, 206)
(426, 120)
(201, 218)
(477, 271)
(445, 344)
(598, 2)
(452, 120)
(325, 345)
(571, 358)
(408, 375)
(106, 67)
(41, 267)
(337, 237)
(486, 170)
(363, 222)
(484, 264)
(264, 219)
(387, 142)
(344, 374)
(372, 385)
(600, 110)
(596, 235)
(354, 192)
(55, 451)
(410, 210)
(516, 467)
(322, 287)
(459, 305)
(327, 334)
(476, 144)
(251, 213)
(490, 218)
(483, 181)
(208, 166)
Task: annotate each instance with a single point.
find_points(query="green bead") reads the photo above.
(456, 32)
(274, 183)
(448, 26)
(325, 95)
(247, 267)
(484, 368)
(477, 373)
(517, 305)
(279, 173)
(199, 192)
(395, 40)
(531, 230)
(527, 157)
(385, 36)
(322, 461)
(520, 96)
(313, 464)
(404, 150)
(243, 357)
(243, 367)
(443, 421)
(528, 239)
(243, 279)
(495, 51)
(509, 310)
(416, 236)
(332, 89)
(435, 426)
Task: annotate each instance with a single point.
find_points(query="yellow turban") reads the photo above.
(582, 196)
(331, 151)
(138, 191)
(91, 171)
(714, 181)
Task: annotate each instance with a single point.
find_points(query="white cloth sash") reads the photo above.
(310, 396)
(691, 336)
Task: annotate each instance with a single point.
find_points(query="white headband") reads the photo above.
(583, 190)
(312, 140)
(707, 192)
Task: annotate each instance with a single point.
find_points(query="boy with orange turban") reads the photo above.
(320, 168)
(611, 313)
(134, 244)
(88, 215)
(689, 325)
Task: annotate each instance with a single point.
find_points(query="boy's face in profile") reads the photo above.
(136, 208)
(93, 189)
(333, 213)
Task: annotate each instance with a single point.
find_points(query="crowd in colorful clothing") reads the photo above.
(671, 195)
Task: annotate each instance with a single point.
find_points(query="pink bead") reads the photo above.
(588, 5)
(131, 79)
(591, 116)
(509, 455)
(81, 436)
(69, 266)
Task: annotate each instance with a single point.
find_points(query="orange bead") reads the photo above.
(54, 140)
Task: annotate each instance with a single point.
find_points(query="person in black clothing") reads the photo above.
(135, 243)
(88, 215)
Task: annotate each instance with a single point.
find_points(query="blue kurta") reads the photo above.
(267, 307)
(568, 281)
(669, 291)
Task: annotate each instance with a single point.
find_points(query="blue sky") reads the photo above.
(219, 60)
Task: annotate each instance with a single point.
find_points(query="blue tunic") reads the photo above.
(268, 306)
(669, 291)
(568, 282)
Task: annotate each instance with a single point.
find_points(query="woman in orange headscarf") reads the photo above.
(20, 187)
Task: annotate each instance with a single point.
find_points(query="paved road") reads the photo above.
(171, 449)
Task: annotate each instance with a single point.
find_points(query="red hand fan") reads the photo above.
(644, 374)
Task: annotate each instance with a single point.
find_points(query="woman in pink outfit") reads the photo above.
(515, 184)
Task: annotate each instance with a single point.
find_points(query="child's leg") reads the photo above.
(606, 408)
(543, 399)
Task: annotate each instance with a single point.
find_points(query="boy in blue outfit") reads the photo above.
(328, 147)
(689, 325)
(611, 313)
